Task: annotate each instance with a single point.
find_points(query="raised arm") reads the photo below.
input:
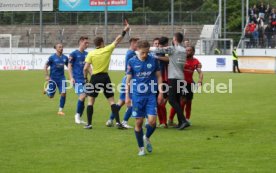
(120, 37)
(165, 50)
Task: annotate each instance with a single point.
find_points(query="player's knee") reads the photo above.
(82, 97)
(63, 94)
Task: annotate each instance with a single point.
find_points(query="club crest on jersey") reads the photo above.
(134, 113)
(149, 65)
(72, 3)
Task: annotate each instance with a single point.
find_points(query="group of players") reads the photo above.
(161, 64)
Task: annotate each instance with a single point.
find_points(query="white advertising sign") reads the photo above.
(37, 62)
(25, 5)
(257, 64)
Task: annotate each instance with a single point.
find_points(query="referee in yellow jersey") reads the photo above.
(100, 59)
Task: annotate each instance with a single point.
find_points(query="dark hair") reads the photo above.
(82, 38)
(179, 37)
(98, 41)
(55, 46)
(133, 39)
(163, 41)
(141, 44)
(155, 39)
(193, 48)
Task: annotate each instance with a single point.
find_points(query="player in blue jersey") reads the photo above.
(56, 79)
(130, 53)
(75, 69)
(143, 76)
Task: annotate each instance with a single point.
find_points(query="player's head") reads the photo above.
(99, 42)
(177, 38)
(163, 41)
(155, 42)
(143, 47)
(83, 42)
(59, 48)
(133, 43)
(190, 51)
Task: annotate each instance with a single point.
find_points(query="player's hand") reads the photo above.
(47, 78)
(199, 83)
(127, 26)
(128, 101)
(72, 81)
(160, 99)
(86, 80)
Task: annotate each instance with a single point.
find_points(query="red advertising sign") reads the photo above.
(109, 2)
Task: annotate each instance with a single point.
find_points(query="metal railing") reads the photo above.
(97, 18)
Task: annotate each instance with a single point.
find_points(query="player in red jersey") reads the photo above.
(190, 66)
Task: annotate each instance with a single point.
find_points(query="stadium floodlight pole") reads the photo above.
(242, 40)
(105, 21)
(247, 9)
(224, 28)
(172, 16)
(220, 17)
(41, 27)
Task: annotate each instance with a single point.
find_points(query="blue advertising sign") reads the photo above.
(95, 5)
(221, 62)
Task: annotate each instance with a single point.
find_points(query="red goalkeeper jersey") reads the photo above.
(190, 66)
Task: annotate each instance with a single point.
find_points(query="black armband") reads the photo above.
(123, 33)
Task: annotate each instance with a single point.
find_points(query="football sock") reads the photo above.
(188, 109)
(62, 101)
(139, 137)
(89, 114)
(128, 113)
(150, 130)
(159, 114)
(112, 116)
(80, 107)
(172, 114)
(115, 111)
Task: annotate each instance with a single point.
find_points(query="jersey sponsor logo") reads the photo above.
(137, 66)
(144, 74)
(149, 65)
(72, 3)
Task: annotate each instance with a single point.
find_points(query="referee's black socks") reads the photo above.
(115, 111)
(89, 114)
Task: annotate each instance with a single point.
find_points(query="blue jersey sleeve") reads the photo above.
(129, 68)
(72, 58)
(49, 61)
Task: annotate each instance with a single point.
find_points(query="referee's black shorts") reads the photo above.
(98, 82)
(188, 94)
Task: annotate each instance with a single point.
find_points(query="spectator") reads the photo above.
(255, 36)
(268, 35)
(262, 9)
(273, 19)
(252, 26)
(260, 29)
(255, 9)
(248, 36)
(267, 12)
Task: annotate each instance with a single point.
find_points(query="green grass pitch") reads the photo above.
(231, 133)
